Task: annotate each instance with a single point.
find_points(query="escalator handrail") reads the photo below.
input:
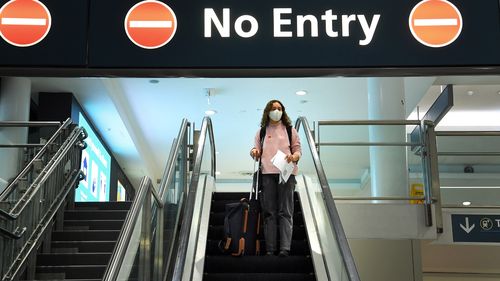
(145, 188)
(116, 260)
(11, 187)
(206, 127)
(333, 214)
(170, 166)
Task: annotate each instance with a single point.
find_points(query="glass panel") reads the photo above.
(469, 169)
(327, 238)
(174, 194)
(206, 163)
(130, 268)
(358, 158)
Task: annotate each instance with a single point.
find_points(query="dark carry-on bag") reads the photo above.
(242, 225)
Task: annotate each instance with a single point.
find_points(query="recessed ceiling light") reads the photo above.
(154, 81)
(470, 93)
(210, 112)
(301, 93)
(498, 92)
(466, 203)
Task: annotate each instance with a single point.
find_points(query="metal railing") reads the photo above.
(27, 214)
(172, 205)
(424, 146)
(10, 192)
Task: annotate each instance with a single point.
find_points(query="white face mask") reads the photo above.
(275, 115)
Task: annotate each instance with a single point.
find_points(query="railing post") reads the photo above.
(433, 192)
(145, 244)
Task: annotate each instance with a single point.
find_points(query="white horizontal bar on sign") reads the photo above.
(150, 23)
(435, 22)
(24, 21)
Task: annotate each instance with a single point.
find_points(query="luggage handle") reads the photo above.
(256, 182)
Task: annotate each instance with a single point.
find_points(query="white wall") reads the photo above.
(386, 260)
(460, 262)
(14, 106)
(453, 277)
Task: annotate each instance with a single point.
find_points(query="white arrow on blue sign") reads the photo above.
(475, 228)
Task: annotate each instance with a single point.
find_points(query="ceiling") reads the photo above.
(139, 117)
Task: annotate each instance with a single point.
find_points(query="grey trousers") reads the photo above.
(277, 206)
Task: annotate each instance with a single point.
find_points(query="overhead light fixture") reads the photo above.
(470, 92)
(301, 93)
(466, 203)
(210, 112)
(498, 92)
(209, 92)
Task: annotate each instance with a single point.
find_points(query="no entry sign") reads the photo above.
(435, 23)
(24, 23)
(150, 24)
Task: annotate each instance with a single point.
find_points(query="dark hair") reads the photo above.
(265, 115)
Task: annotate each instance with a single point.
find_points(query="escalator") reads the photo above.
(319, 249)
(222, 267)
(171, 233)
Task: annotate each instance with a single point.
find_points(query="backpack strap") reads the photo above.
(289, 132)
(262, 136)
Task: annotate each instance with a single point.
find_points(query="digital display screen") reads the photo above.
(120, 192)
(96, 167)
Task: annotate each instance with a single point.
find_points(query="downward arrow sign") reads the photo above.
(467, 228)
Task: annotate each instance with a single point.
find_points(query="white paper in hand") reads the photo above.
(279, 161)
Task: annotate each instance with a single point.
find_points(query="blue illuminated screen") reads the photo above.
(121, 194)
(96, 167)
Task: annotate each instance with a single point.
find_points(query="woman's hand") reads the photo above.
(292, 158)
(255, 153)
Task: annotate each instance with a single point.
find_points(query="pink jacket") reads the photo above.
(277, 138)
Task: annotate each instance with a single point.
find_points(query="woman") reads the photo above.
(277, 196)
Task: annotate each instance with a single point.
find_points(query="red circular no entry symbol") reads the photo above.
(150, 24)
(24, 23)
(435, 23)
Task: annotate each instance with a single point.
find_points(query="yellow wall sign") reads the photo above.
(417, 190)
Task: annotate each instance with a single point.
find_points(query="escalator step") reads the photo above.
(217, 232)
(258, 276)
(258, 264)
(220, 205)
(298, 247)
(235, 195)
(218, 218)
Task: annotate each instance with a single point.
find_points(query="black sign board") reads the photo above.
(476, 228)
(263, 34)
(65, 44)
(293, 34)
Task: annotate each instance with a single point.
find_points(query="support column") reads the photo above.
(388, 165)
(15, 96)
